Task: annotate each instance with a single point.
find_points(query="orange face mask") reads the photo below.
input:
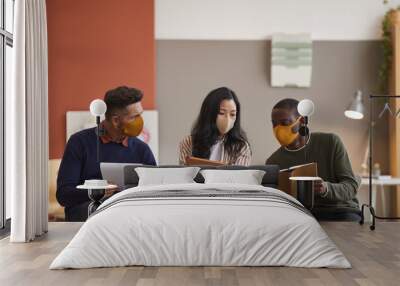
(134, 127)
(284, 134)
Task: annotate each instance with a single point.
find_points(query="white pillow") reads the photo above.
(165, 176)
(248, 177)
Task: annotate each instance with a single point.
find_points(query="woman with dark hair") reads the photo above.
(216, 134)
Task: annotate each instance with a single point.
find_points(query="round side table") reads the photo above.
(305, 190)
(96, 194)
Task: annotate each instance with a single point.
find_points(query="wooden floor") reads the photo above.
(375, 257)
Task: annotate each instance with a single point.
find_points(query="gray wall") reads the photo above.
(188, 70)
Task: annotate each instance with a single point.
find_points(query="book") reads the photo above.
(304, 170)
(195, 161)
(297, 167)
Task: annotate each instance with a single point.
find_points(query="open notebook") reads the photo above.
(195, 161)
(308, 166)
(305, 170)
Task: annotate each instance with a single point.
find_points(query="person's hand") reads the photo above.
(110, 192)
(319, 187)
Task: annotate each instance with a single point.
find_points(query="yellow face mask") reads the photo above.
(284, 134)
(133, 128)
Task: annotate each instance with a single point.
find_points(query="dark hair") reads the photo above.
(288, 104)
(119, 98)
(205, 132)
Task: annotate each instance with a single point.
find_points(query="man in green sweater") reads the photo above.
(335, 196)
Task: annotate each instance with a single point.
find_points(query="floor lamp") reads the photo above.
(98, 108)
(356, 111)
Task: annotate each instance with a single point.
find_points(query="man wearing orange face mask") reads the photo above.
(335, 196)
(119, 144)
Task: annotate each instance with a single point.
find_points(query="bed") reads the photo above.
(201, 224)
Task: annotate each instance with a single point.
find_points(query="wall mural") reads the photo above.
(291, 60)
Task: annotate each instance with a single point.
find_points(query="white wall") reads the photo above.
(258, 19)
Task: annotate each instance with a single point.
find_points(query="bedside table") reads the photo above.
(96, 191)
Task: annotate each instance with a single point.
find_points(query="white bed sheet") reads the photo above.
(199, 232)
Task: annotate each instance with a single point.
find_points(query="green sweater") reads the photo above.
(334, 167)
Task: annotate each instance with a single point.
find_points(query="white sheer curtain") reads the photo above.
(27, 123)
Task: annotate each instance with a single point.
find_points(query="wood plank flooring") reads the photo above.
(375, 257)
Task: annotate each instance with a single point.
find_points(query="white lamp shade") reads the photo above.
(98, 107)
(305, 107)
(356, 107)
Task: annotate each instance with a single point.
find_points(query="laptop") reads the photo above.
(114, 172)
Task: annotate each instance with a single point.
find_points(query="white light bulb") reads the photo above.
(98, 107)
(305, 107)
(353, 114)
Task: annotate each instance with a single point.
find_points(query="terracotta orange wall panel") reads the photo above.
(95, 45)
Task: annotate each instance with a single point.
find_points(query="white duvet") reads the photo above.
(204, 231)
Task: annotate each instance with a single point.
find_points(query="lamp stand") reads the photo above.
(371, 128)
(369, 205)
(98, 138)
(306, 136)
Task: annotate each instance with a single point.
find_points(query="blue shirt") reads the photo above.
(79, 163)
